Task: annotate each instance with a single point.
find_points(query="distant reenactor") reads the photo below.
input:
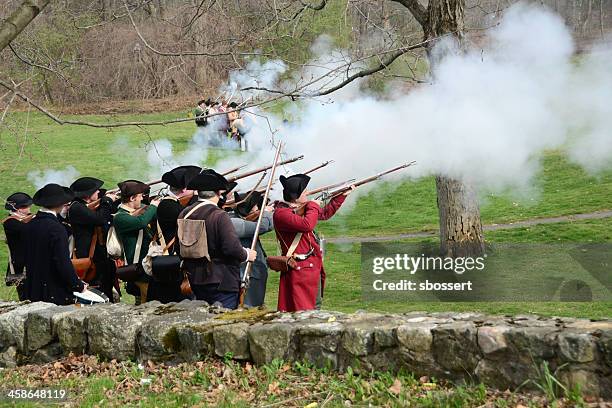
(50, 276)
(201, 112)
(90, 217)
(18, 205)
(212, 256)
(244, 218)
(237, 126)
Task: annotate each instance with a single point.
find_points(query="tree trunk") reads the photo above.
(19, 20)
(460, 224)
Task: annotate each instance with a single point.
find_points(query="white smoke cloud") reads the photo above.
(255, 75)
(487, 117)
(62, 177)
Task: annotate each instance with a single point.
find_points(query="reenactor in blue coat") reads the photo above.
(50, 276)
(18, 205)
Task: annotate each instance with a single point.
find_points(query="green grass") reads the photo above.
(343, 270)
(563, 188)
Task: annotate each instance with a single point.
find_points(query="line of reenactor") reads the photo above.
(185, 243)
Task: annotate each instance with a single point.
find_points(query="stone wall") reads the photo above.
(500, 351)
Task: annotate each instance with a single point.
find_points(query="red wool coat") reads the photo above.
(298, 287)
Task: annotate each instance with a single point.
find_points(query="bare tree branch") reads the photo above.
(416, 9)
(384, 63)
(19, 20)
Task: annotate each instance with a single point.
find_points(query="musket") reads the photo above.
(244, 284)
(233, 203)
(366, 180)
(94, 204)
(300, 209)
(259, 170)
(320, 166)
(235, 169)
(148, 183)
(261, 190)
(329, 187)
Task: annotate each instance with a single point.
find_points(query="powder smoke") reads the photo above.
(487, 118)
(62, 177)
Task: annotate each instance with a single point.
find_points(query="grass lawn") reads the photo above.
(343, 288)
(562, 187)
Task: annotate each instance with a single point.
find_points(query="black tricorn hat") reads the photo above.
(209, 180)
(53, 195)
(294, 186)
(86, 186)
(255, 199)
(180, 176)
(17, 200)
(129, 188)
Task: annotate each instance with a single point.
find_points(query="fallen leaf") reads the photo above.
(311, 405)
(429, 386)
(273, 387)
(424, 379)
(396, 388)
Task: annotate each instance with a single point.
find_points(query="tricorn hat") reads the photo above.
(17, 200)
(53, 195)
(180, 176)
(255, 199)
(210, 180)
(129, 188)
(86, 186)
(294, 186)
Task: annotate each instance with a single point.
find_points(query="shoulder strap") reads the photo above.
(294, 244)
(92, 245)
(138, 246)
(167, 247)
(193, 209)
(160, 234)
(9, 218)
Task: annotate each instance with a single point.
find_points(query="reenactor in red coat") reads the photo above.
(299, 287)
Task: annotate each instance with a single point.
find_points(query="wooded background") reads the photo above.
(84, 51)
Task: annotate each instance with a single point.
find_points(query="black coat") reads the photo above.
(84, 220)
(168, 212)
(224, 249)
(15, 235)
(50, 276)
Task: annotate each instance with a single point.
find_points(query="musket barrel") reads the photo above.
(320, 166)
(244, 284)
(259, 170)
(321, 189)
(148, 183)
(235, 169)
(371, 178)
